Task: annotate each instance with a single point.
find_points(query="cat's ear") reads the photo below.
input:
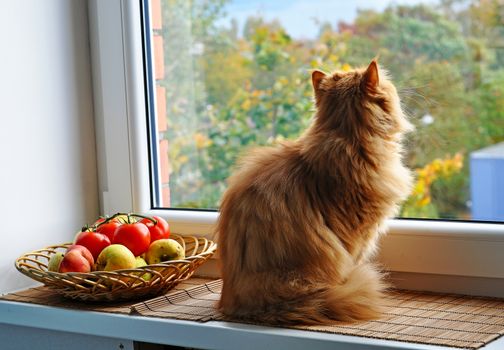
(316, 78)
(371, 77)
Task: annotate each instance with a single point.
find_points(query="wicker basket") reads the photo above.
(120, 284)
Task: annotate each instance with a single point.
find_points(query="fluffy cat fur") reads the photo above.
(300, 221)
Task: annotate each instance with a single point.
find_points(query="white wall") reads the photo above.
(48, 181)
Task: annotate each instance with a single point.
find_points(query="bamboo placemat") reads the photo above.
(46, 296)
(195, 304)
(418, 317)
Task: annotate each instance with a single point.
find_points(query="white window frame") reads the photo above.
(430, 255)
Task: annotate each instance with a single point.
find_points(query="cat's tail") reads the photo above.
(358, 298)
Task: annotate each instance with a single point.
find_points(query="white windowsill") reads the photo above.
(210, 335)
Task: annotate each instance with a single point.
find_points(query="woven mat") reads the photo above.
(418, 317)
(45, 296)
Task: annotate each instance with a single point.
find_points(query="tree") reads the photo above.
(229, 91)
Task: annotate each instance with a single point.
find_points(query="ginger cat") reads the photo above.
(299, 222)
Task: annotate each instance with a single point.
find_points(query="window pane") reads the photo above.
(235, 74)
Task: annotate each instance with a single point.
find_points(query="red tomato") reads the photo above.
(93, 241)
(136, 237)
(108, 229)
(159, 230)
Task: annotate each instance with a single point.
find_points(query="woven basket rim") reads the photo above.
(161, 264)
(166, 274)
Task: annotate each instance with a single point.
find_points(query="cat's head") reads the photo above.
(357, 102)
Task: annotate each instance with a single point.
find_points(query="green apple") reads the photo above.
(115, 257)
(164, 250)
(55, 261)
(141, 262)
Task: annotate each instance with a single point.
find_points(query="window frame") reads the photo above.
(467, 254)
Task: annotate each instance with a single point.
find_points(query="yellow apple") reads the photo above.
(123, 219)
(139, 263)
(55, 261)
(115, 257)
(164, 250)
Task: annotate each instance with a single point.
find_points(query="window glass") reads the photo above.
(234, 74)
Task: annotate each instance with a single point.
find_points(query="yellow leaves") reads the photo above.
(201, 140)
(246, 104)
(183, 148)
(331, 62)
(256, 93)
(248, 100)
(333, 58)
(436, 165)
(419, 187)
(457, 162)
(437, 169)
(281, 83)
(421, 191)
(346, 67)
(261, 34)
(424, 201)
(316, 63)
(283, 80)
(182, 159)
(441, 168)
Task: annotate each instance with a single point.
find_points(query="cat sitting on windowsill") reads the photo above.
(299, 222)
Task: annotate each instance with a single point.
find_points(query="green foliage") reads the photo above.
(228, 91)
(489, 106)
(404, 36)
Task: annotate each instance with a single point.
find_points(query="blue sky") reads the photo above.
(299, 17)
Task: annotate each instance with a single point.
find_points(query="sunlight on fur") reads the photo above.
(299, 222)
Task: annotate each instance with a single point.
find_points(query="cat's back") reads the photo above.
(267, 169)
(266, 187)
(265, 209)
